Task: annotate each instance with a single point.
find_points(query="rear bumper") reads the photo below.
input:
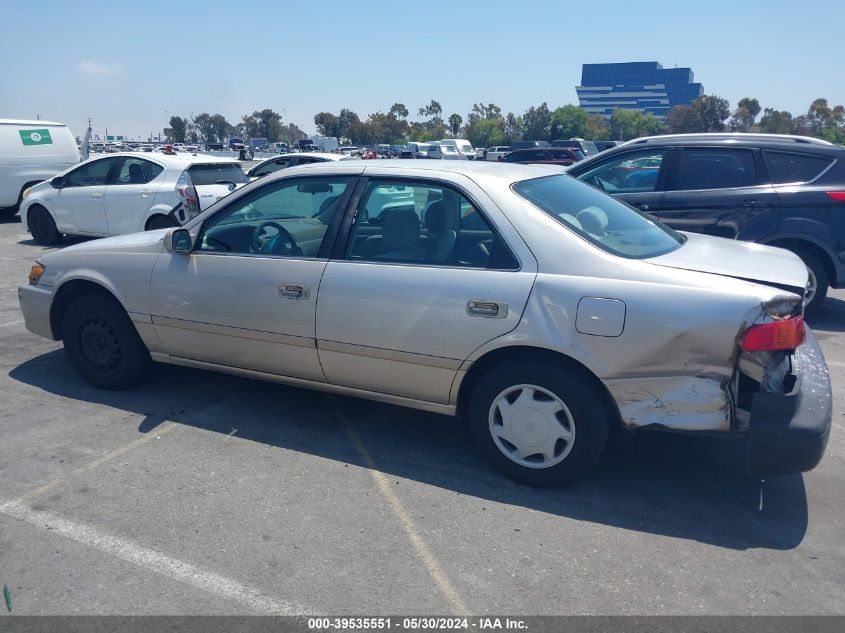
(788, 433)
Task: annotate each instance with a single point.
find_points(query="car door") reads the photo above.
(245, 296)
(721, 191)
(79, 206)
(636, 177)
(411, 293)
(131, 193)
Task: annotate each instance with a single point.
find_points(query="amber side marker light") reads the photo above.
(35, 273)
(778, 336)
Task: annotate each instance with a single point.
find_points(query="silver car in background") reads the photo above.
(541, 310)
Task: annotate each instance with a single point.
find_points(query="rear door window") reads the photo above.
(270, 166)
(214, 173)
(786, 167)
(716, 168)
(137, 171)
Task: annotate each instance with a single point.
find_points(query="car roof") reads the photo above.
(173, 160)
(729, 137)
(480, 171)
(30, 122)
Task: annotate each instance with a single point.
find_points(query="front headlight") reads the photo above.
(36, 273)
(25, 193)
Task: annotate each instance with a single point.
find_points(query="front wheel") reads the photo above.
(42, 226)
(541, 424)
(102, 344)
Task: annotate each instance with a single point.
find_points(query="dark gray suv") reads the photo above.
(786, 191)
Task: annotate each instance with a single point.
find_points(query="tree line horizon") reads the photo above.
(486, 125)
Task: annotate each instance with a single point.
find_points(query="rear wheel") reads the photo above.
(160, 222)
(819, 282)
(42, 226)
(102, 344)
(540, 424)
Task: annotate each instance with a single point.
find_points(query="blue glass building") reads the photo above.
(643, 86)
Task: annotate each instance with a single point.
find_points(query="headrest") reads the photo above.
(400, 229)
(438, 219)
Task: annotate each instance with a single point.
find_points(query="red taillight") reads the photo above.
(779, 335)
(839, 196)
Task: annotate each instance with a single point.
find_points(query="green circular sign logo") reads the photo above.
(36, 137)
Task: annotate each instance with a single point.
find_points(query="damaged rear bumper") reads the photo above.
(788, 433)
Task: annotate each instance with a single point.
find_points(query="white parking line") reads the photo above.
(152, 560)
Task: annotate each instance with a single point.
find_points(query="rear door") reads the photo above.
(79, 206)
(637, 176)
(721, 191)
(131, 194)
(415, 288)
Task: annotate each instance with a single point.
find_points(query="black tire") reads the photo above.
(102, 344)
(581, 396)
(160, 222)
(42, 226)
(822, 280)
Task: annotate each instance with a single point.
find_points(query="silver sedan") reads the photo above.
(547, 314)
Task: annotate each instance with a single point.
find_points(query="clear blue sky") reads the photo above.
(125, 66)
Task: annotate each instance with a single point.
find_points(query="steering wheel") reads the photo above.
(283, 243)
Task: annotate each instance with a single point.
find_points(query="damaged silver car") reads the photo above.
(542, 310)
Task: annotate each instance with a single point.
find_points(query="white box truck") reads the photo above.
(31, 152)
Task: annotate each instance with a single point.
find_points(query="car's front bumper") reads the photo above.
(788, 433)
(35, 302)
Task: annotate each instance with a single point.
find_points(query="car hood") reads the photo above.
(144, 242)
(741, 260)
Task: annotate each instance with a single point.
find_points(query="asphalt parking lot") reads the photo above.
(201, 493)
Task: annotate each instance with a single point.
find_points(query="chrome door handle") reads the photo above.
(96, 195)
(294, 291)
(487, 309)
(144, 194)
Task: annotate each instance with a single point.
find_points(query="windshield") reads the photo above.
(599, 218)
(589, 148)
(217, 172)
(466, 148)
(448, 149)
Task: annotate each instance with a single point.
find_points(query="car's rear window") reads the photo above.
(217, 173)
(785, 167)
(599, 218)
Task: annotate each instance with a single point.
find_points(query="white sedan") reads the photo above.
(545, 312)
(124, 193)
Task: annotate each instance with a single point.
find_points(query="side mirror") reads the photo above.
(57, 182)
(178, 241)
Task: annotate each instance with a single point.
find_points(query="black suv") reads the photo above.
(786, 191)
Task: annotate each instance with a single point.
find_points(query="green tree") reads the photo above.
(179, 127)
(514, 128)
(222, 128)
(399, 111)
(455, 122)
(597, 128)
(745, 115)
(776, 121)
(569, 121)
(487, 132)
(205, 127)
(537, 123)
(711, 112)
(434, 111)
(327, 124)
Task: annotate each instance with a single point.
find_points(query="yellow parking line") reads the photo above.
(413, 534)
(122, 450)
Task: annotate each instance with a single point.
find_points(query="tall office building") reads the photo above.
(643, 86)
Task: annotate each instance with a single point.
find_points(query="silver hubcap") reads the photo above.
(531, 426)
(812, 285)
